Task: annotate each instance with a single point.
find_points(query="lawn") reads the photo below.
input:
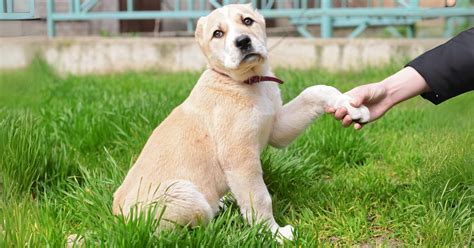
(67, 142)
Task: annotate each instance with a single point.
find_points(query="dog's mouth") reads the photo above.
(251, 57)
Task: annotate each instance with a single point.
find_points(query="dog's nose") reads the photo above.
(243, 42)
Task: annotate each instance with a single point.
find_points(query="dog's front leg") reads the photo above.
(295, 116)
(246, 183)
(239, 156)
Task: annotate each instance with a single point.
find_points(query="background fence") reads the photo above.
(328, 15)
(8, 12)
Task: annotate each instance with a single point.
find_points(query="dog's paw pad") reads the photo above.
(360, 114)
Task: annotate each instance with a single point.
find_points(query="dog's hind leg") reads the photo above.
(185, 205)
(176, 202)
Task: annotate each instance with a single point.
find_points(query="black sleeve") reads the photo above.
(449, 68)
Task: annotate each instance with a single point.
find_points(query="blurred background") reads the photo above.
(307, 18)
(72, 36)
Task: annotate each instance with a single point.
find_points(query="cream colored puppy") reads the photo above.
(211, 143)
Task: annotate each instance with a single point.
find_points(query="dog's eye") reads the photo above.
(218, 34)
(247, 21)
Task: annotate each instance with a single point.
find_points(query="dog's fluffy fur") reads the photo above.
(211, 143)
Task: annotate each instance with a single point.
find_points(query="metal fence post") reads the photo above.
(32, 8)
(449, 24)
(326, 20)
(448, 27)
(49, 18)
(190, 22)
(411, 29)
(77, 6)
(9, 6)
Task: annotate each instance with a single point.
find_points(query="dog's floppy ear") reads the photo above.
(199, 29)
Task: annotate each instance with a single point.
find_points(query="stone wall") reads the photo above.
(105, 55)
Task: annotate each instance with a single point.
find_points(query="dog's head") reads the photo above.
(233, 38)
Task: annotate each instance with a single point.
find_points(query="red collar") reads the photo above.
(254, 79)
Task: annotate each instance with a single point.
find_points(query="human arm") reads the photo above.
(380, 97)
(449, 68)
(439, 74)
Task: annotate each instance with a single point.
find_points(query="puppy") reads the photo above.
(212, 142)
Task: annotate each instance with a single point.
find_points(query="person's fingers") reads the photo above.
(356, 102)
(340, 113)
(358, 126)
(346, 121)
(359, 95)
(330, 110)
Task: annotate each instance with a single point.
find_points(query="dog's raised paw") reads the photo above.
(360, 114)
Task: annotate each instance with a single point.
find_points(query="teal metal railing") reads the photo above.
(8, 11)
(300, 13)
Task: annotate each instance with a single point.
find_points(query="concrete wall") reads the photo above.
(105, 55)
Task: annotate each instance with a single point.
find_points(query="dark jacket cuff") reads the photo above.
(435, 96)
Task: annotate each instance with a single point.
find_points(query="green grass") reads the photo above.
(66, 144)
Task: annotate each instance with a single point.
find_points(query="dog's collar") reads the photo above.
(254, 79)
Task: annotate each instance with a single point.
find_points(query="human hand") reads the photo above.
(374, 96)
(380, 97)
